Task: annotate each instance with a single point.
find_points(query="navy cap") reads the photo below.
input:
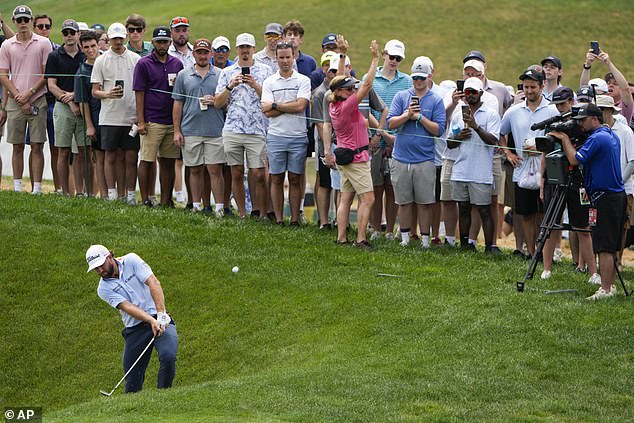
(552, 59)
(588, 109)
(532, 74)
(329, 39)
(562, 94)
(474, 54)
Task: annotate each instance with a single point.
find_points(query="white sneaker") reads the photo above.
(546, 274)
(131, 201)
(180, 198)
(375, 235)
(404, 243)
(595, 279)
(390, 236)
(601, 294)
(557, 255)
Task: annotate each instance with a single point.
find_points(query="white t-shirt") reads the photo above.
(475, 158)
(108, 68)
(277, 89)
(626, 136)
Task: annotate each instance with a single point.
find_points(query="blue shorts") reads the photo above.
(286, 154)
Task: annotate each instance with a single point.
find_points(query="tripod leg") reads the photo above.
(618, 272)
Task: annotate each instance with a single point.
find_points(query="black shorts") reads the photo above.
(324, 175)
(118, 137)
(438, 172)
(527, 201)
(577, 213)
(611, 211)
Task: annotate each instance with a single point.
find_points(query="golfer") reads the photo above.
(128, 284)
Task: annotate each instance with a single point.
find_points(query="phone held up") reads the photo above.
(594, 45)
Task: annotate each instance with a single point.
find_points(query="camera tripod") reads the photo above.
(551, 220)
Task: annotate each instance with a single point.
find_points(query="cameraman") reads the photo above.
(563, 99)
(600, 157)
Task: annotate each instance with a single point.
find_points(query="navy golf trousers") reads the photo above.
(136, 338)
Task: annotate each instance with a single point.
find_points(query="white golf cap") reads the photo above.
(334, 62)
(117, 30)
(96, 255)
(395, 48)
(83, 26)
(421, 67)
(600, 86)
(220, 42)
(475, 64)
(473, 83)
(245, 39)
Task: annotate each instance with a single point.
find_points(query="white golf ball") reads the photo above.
(235, 269)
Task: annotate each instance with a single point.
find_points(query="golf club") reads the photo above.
(129, 370)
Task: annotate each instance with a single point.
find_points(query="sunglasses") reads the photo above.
(348, 89)
(179, 20)
(272, 36)
(133, 29)
(105, 40)
(283, 45)
(397, 58)
(470, 91)
(68, 32)
(222, 50)
(43, 26)
(419, 78)
(22, 20)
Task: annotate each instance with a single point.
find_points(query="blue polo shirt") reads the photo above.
(413, 143)
(229, 63)
(153, 76)
(600, 156)
(129, 286)
(305, 64)
(188, 88)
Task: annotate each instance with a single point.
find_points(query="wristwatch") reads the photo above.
(32, 90)
(586, 67)
(228, 87)
(273, 106)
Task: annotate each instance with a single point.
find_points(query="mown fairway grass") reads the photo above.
(305, 331)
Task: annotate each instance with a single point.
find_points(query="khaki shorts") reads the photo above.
(236, 145)
(445, 180)
(159, 141)
(355, 177)
(473, 192)
(498, 179)
(413, 182)
(16, 122)
(200, 151)
(508, 199)
(68, 126)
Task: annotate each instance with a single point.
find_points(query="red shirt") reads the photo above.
(350, 126)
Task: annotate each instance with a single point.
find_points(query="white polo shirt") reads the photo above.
(129, 286)
(277, 89)
(626, 136)
(108, 68)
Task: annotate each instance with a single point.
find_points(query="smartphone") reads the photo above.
(460, 85)
(594, 45)
(246, 70)
(520, 86)
(466, 112)
(415, 101)
(119, 83)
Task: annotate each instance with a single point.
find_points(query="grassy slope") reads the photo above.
(511, 33)
(305, 331)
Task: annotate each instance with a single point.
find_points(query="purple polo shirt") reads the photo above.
(154, 77)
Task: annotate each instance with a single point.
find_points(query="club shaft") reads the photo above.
(132, 367)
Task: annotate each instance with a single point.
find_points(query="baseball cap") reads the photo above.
(608, 76)
(117, 30)
(273, 28)
(584, 93)
(427, 60)
(96, 255)
(395, 48)
(334, 62)
(473, 83)
(220, 42)
(533, 74)
(475, 64)
(22, 11)
(588, 109)
(328, 57)
(552, 59)
(561, 94)
(600, 86)
(70, 24)
(83, 26)
(98, 26)
(343, 83)
(421, 67)
(245, 39)
(179, 21)
(607, 101)
(474, 55)
(329, 39)
(161, 33)
(202, 44)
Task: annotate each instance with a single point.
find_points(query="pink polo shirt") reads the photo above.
(350, 126)
(25, 62)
